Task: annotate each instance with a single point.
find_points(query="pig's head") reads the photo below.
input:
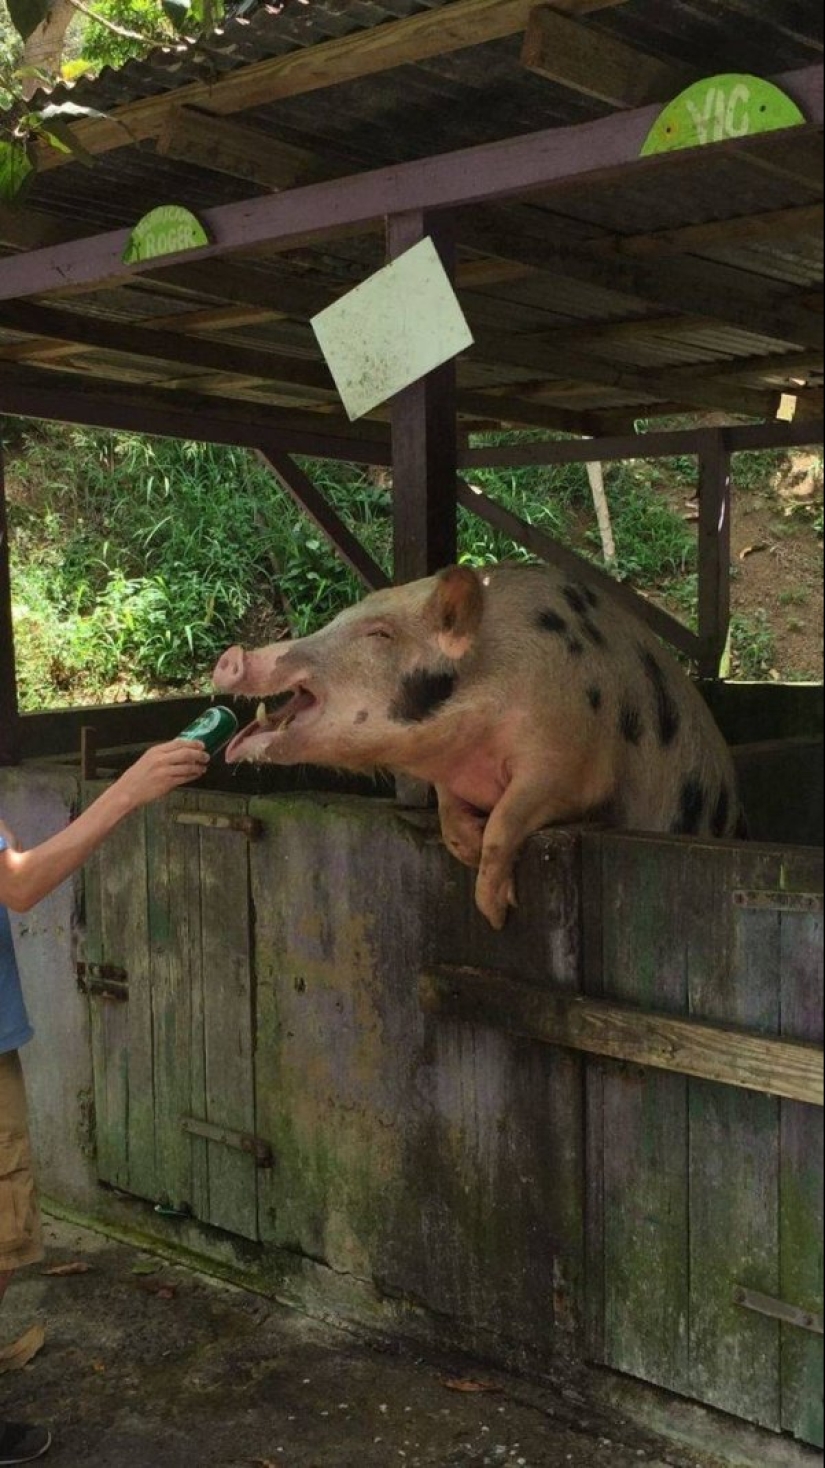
(361, 691)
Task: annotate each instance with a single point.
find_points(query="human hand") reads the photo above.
(161, 769)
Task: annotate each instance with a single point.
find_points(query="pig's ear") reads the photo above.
(453, 610)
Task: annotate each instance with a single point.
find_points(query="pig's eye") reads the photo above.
(380, 632)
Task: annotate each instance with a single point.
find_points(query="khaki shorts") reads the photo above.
(20, 1230)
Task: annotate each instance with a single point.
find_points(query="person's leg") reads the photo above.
(20, 1234)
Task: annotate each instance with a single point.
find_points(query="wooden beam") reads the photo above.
(604, 148)
(665, 444)
(9, 712)
(750, 229)
(719, 292)
(206, 141)
(308, 498)
(424, 434)
(714, 554)
(366, 52)
(662, 623)
(137, 340)
(731, 1057)
(145, 410)
(597, 64)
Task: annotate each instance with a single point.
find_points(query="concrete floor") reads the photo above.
(148, 1365)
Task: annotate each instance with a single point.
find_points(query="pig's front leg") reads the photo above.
(462, 827)
(523, 808)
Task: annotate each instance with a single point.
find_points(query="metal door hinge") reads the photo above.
(103, 981)
(767, 901)
(255, 1147)
(215, 821)
(778, 1310)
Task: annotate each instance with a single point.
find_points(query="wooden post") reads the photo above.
(9, 713)
(424, 438)
(714, 554)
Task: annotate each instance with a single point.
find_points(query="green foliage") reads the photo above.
(143, 20)
(752, 646)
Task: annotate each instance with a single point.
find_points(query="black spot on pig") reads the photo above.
(589, 628)
(721, 812)
(362, 716)
(574, 647)
(691, 807)
(594, 698)
(550, 621)
(576, 599)
(422, 694)
(667, 712)
(630, 723)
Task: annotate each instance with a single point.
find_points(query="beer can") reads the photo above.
(214, 727)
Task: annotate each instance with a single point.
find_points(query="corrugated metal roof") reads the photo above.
(476, 95)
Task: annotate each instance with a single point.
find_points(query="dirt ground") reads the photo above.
(148, 1365)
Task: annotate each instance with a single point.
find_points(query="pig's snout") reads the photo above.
(229, 670)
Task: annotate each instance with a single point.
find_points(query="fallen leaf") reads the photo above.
(20, 1353)
(145, 1266)
(59, 1270)
(749, 549)
(454, 1385)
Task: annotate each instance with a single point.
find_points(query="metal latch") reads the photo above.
(243, 1141)
(215, 821)
(767, 901)
(103, 981)
(777, 1310)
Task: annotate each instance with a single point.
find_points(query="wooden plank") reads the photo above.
(207, 141)
(719, 1053)
(125, 943)
(604, 148)
(185, 416)
(366, 52)
(228, 1027)
(597, 64)
(308, 498)
(136, 340)
(10, 746)
(697, 287)
(643, 1230)
(800, 1181)
(733, 960)
(473, 498)
(714, 555)
(109, 1034)
(424, 437)
(173, 947)
(657, 445)
(780, 785)
(776, 224)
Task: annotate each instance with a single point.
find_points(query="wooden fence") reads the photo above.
(597, 1133)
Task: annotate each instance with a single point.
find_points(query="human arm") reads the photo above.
(28, 876)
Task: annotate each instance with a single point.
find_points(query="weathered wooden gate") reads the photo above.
(168, 970)
(705, 1200)
(329, 992)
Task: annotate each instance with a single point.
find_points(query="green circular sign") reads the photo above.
(732, 105)
(167, 230)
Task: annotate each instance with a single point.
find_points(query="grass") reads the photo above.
(136, 561)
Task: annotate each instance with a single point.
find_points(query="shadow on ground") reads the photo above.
(148, 1365)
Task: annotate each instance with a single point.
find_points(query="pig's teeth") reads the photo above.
(261, 715)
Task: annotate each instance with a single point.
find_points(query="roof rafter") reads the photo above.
(470, 176)
(362, 53)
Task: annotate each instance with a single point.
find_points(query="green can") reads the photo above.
(214, 727)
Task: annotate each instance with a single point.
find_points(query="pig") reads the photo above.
(527, 697)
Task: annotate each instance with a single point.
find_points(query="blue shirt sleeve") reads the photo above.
(15, 1029)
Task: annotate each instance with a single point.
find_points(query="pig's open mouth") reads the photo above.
(299, 705)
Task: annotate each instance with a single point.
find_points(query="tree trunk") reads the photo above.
(43, 51)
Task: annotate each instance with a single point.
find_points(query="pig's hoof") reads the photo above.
(496, 904)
